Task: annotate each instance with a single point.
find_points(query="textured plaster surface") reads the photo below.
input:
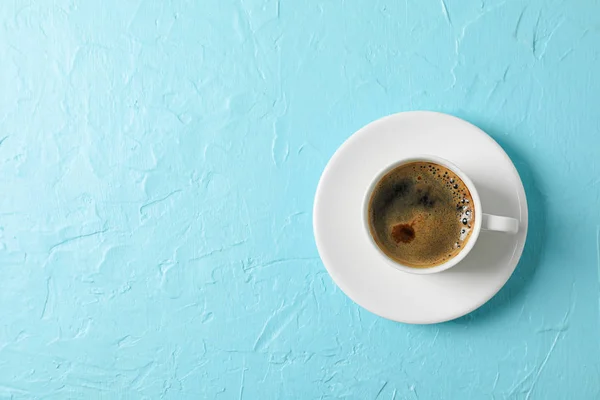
(158, 161)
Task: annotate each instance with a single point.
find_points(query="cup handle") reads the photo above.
(499, 224)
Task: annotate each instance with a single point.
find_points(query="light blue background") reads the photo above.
(158, 162)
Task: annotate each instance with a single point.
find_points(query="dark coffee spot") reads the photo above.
(403, 233)
(426, 201)
(398, 190)
(401, 188)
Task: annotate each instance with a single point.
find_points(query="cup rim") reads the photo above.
(476, 204)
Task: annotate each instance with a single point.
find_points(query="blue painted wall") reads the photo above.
(158, 162)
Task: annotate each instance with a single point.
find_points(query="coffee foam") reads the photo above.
(421, 214)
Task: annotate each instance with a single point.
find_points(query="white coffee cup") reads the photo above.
(483, 221)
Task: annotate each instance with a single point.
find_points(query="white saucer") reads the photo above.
(354, 264)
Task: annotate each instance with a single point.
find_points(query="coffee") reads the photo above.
(421, 214)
